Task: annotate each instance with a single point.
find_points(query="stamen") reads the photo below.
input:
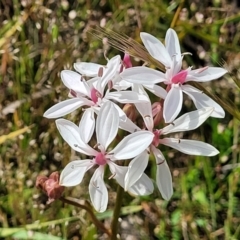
(112, 176)
(105, 55)
(96, 145)
(110, 85)
(202, 69)
(161, 162)
(100, 72)
(179, 140)
(186, 53)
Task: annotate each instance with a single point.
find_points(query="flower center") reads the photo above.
(156, 139)
(100, 159)
(180, 77)
(95, 94)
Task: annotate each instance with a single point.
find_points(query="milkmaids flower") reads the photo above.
(175, 78)
(188, 121)
(106, 130)
(92, 93)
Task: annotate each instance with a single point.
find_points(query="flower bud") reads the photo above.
(130, 111)
(50, 186)
(157, 112)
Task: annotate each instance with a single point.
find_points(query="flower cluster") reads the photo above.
(111, 97)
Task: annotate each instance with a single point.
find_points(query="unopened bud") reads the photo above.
(50, 186)
(130, 111)
(157, 112)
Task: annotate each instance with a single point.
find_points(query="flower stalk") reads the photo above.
(116, 213)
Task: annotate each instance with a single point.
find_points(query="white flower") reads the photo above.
(175, 78)
(188, 121)
(107, 124)
(91, 93)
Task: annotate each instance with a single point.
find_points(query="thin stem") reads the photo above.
(116, 213)
(99, 225)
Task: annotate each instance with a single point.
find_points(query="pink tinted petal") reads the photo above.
(107, 124)
(65, 107)
(142, 75)
(173, 103)
(132, 145)
(201, 100)
(135, 169)
(73, 173)
(87, 69)
(191, 147)
(127, 61)
(98, 191)
(180, 77)
(70, 133)
(156, 49)
(87, 125)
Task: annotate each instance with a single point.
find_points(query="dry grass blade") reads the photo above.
(126, 44)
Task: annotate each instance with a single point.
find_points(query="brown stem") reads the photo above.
(87, 207)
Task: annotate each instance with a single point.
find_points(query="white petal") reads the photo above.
(173, 103)
(87, 125)
(142, 187)
(73, 80)
(157, 90)
(73, 173)
(205, 75)
(70, 133)
(118, 172)
(109, 72)
(135, 169)
(64, 107)
(107, 124)
(172, 44)
(163, 175)
(201, 100)
(142, 75)
(145, 109)
(88, 69)
(132, 145)
(128, 126)
(164, 180)
(191, 147)
(189, 88)
(126, 97)
(98, 191)
(156, 49)
(188, 121)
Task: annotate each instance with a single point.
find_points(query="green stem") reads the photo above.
(99, 225)
(116, 213)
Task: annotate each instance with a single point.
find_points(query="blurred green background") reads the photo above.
(40, 38)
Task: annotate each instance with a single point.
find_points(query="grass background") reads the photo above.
(40, 38)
